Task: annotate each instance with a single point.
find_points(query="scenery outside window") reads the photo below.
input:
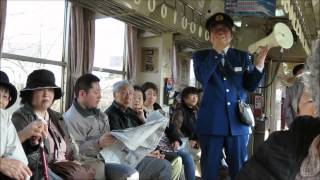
(108, 57)
(33, 39)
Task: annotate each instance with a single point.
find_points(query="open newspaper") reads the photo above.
(135, 143)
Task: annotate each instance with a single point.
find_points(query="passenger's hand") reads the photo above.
(262, 54)
(140, 114)
(192, 143)
(157, 154)
(175, 145)
(35, 130)
(106, 140)
(14, 169)
(45, 130)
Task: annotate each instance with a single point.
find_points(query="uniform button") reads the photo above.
(227, 90)
(228, 103)
(224, 78)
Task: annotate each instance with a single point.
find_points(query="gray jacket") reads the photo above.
(86, 127)
(24, 116)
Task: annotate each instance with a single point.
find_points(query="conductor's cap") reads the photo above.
(219, 18)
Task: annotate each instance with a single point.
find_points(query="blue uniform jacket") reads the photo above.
(218, 109)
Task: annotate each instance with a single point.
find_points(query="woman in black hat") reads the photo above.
(13, 161)
(37, 97)
(184, 119)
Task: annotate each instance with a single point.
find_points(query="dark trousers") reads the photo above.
(211, 154)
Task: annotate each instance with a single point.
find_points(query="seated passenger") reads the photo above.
(310, 168)
(90, 127)
(13, 161)
(184, 119)
(293, 154)
(280, 157)
(121, 116)
(36, 122)
(150, 91)
(166, 146)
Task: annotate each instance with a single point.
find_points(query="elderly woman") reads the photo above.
(280, 157)
(172, 137)
(164, 146)
(184, 119)
(310, 168)
(36, 122)
(293, 154)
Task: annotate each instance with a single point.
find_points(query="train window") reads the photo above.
(34, 29)
(106, 82)
(192, 78)
(19, 70)
(33, 39)
(109, 44)
(108, 57)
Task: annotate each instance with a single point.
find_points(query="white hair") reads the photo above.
(119, 84)
(312, 74)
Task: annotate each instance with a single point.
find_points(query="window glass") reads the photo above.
(106, 82)
(109, 44)
(192, 78)
(35, 29)
(18, 72)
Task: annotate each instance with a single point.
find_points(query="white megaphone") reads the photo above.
(280, 36)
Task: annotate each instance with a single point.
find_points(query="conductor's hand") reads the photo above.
(262, 54)
(106, 140)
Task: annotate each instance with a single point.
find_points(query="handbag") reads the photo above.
(71, 170)
(245, 113)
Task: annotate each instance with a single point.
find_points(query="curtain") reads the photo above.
(175, 67)
(3, 11)
(131, 51)
(80, 46)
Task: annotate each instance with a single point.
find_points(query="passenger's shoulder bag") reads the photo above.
(72, 170)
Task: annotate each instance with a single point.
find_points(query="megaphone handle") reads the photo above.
(281, 51)
(276, 70)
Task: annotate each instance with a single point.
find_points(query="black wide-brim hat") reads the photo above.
(219, 18)
(190, 90)
(4, 81)
(41, 79)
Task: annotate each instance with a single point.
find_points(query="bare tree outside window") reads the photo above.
(33, 38)
(108, 57)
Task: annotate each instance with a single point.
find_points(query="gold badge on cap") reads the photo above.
(219, 18)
